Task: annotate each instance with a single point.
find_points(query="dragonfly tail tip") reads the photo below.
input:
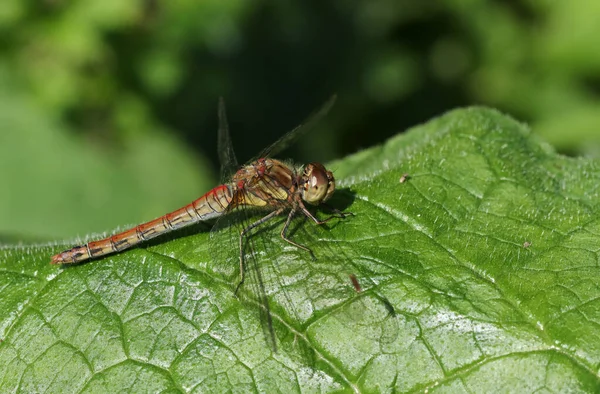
(57, 259)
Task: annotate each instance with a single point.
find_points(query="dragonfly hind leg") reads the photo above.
(243, 233)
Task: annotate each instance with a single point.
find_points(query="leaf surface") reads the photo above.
(478, 272)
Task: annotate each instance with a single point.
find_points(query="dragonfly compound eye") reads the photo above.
(317, 184)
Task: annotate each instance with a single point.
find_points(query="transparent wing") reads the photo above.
(278, 277)
(228, 161)
(225, 250)
(341, 281)
(288, 139)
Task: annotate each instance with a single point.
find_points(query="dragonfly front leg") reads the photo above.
(336, 214)
(243, 234)
(286, 239)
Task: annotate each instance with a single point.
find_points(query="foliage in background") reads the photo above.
(108, 108)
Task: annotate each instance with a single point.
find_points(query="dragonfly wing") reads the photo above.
(256, 246)
(288, 139)
(229, 164)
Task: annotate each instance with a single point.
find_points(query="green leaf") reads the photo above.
(479, 273)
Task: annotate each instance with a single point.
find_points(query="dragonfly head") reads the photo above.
(316, 183)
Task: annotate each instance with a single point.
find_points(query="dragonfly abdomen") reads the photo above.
(209, 206)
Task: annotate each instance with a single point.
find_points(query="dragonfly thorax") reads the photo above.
(316, 183)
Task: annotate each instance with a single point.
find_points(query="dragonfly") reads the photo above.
(265, 183)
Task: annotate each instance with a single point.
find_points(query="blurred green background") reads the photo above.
(108, 108)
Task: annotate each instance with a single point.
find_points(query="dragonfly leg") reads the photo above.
(286, 239)
(337, 214)
(243, 233)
